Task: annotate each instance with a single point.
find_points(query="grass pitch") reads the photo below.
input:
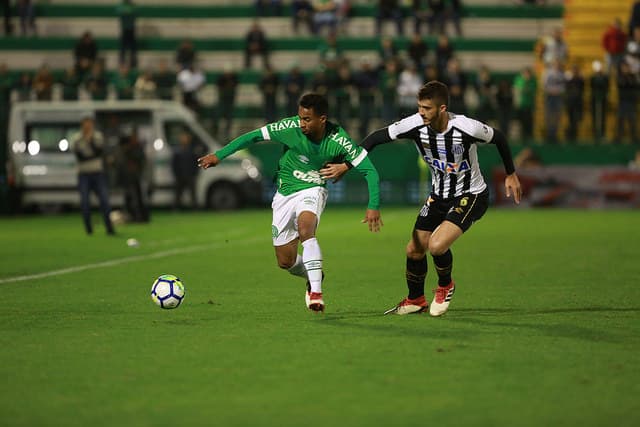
(544, 328)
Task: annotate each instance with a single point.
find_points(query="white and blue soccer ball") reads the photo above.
(167, 291)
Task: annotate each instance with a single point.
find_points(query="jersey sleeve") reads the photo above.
(278, 131)
(405, 126)
(483, 133)
(243, 141)
(370, 173)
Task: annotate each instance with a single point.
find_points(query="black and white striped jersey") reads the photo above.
(451, 155)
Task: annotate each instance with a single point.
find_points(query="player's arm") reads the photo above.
(363, 164)
(243, 141)
(402, 129)
(511, 182)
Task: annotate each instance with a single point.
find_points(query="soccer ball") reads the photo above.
(167, 291)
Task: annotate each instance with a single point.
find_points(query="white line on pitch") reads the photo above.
(111, 263)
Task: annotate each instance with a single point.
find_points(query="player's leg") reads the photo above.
(310, 206)
(431, 214)
(439, 247)
(463, 213)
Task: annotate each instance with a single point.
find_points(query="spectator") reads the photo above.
(294, 83)
(504, 101)
(126, 10)
(554, 48)
(343, 13)
(23, 87)
(145, 87)
(409, 83)
(632, 55)
(634, 19)
(554, 86)
(185, 55)
(256, 44)
(6, 86)
(165, 80)
(599, 83)
(628, 86)
(342, 86)
(417, 51)
(302, 11)
(70, 85)
(85, 53)
(388, 89)
(43, 84)
(430, 73)
(486, 91)
(575, 100)
(26, 11)
(268, 86)
(96, 82)
(6, 11)
(123, 82)
(190, 80)
(88, 147)
(525, 87)
(131, 163)
(389, 10)
(366, 82)
(614, 42)
(437, 16)
(184, 164)
(454, 14)
(227, 84)
(387, 50)
(320, 82)
(444, 53)
(457, 82)
(330, 51)
(324, 15)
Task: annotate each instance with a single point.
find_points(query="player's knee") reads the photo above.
(437, 247)
(414, 252)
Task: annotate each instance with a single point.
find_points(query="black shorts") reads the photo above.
(463, 211)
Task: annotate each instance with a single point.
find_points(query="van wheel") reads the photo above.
(223, 196)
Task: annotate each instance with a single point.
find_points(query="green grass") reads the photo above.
(543, 330)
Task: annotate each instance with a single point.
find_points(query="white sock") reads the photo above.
(312, 258)
(298, 269)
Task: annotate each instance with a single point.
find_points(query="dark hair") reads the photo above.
(315, 101)
(436, 91)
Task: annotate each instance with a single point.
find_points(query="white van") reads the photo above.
(42, 166)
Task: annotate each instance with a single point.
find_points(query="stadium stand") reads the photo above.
(499, 33)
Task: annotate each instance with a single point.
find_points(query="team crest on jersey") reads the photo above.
(448, 167)
(304, 159)
(457, 149)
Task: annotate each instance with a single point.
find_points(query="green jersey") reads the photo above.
(299, 166)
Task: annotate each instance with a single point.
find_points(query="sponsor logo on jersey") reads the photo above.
(346, 144)
(447, 167)
(284, 124)
(311, 176)
(304, 159)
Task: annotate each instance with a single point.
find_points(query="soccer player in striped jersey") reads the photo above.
(459, 195)
(310, 142)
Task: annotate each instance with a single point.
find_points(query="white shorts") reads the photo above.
(286, 209)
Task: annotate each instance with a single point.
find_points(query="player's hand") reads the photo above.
(334, 171)
(512, 186)
(374, 220)
(208, 161)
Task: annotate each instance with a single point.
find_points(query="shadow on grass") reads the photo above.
(560, 327)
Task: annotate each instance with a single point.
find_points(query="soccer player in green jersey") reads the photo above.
(310, 143)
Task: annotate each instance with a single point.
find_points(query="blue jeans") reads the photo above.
(96, 182)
